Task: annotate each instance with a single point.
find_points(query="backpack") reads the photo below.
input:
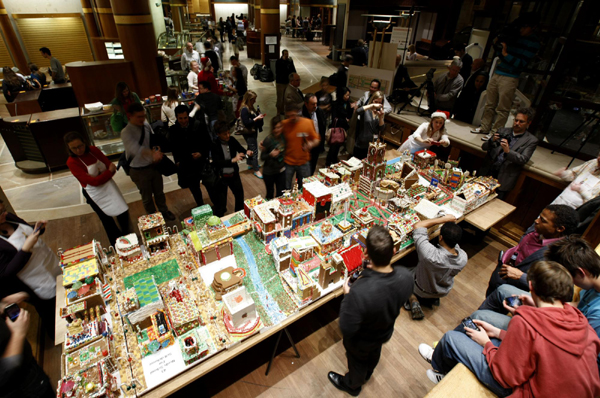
(265, 74)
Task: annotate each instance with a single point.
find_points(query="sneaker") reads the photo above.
(258, 174)
(486, 137)
(426, 352)
(434, 376)
(169, 216)
(477, 131)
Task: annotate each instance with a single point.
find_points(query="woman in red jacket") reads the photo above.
(549, 349)
(94, 172)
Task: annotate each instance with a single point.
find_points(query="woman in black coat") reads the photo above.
(226, 153)
(466, 103)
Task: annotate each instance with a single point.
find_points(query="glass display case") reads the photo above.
(100, 132)
(172, 41)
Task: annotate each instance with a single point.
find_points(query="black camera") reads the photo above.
(503, 136)
(429, 74)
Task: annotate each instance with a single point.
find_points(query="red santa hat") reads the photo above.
(204, 61)
(443, 114)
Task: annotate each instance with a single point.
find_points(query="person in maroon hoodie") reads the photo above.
(549, 349)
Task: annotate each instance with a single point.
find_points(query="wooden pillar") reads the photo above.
(98, 46)
(136, 34)
(213, 14)
(251, 11)
(257, 17)
(270, 26)
(177, 11)
(104, 11)
(12, 42)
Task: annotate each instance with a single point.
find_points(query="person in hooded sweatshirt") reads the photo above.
(548, 350)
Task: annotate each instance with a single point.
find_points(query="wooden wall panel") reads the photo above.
(5, 59)
(64, 36)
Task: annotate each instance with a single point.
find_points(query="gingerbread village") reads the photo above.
(150, 308)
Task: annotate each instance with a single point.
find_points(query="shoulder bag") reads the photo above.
(336, 135)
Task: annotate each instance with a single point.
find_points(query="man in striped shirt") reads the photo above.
(514, 57)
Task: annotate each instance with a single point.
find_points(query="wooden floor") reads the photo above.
(401, 371)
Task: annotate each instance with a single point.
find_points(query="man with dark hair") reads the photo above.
(284, 67)
(235, 63)
(311, 111)
(149, 181)
(438, 265)
(369, 311)
(190, 142)
(359, 53)
(508, 150)
(466, 59)
(340, 78)
(56, 69)
(373, 88)
(548, 349)
(553, 224)
(209, 104)
(212, 55)
(514, 53)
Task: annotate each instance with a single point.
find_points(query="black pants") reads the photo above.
(314, 159)
(196, 192)
(276, 181)
(235, 184)
(360, 153)
(112, 231)
(362, 360)
(332, 155)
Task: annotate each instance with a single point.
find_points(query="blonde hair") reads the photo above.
(442, 130)
(376, 95)
(250, 95)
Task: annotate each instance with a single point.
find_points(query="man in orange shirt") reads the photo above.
(300, 138)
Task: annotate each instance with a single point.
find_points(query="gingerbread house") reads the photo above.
(86, 270)
(82, 253)
(342, 193)
(354, 167)
(128, 249)
(306, 288)
(154, 233)
(328, 238)
(330, 178)
(363, 218)
(330, 270)
(181, 308)
(424, 158)
(319, 196)
(282, 254)
(225, 281)
(352, 258)
(192, 347)
(249, 205)
(87, 356)
(154, 333)
(94, 381)
(200, 216)
(211, 243)
(240, 307)
(302, 214)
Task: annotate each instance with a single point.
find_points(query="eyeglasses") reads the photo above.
(76, 148)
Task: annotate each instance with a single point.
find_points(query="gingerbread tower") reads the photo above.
(373, 167)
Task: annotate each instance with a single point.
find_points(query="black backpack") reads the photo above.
(266, 75)
(254, 71)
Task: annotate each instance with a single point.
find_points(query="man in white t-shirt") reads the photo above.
(189, 55)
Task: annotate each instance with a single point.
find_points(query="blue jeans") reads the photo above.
(251, 140)
(457, 347)
(301, 171)
(492, 311)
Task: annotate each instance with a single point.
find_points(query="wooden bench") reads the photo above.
(460, 382)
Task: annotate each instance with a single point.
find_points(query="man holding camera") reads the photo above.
(515, 48)
(508, 150)
(369, 311)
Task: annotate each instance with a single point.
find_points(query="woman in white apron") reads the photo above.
(94, 172)
(27, 258)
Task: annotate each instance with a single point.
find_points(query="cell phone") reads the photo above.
(42, 229)
(513, 301)
(12, 311)
(468, 323)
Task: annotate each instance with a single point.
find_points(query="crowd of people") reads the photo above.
(526, 338)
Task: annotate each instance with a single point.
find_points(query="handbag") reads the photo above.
(209, 177)
(240, 128)
(336, 135)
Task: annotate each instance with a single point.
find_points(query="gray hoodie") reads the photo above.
(437, 267)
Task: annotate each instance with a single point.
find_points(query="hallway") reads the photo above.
(58, 194)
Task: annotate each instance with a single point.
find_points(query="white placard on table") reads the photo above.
(163, 365)
(399, 35)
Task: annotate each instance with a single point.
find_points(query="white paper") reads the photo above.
(399, 35)
(271, 49)
(270, 39)
(163, 365)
